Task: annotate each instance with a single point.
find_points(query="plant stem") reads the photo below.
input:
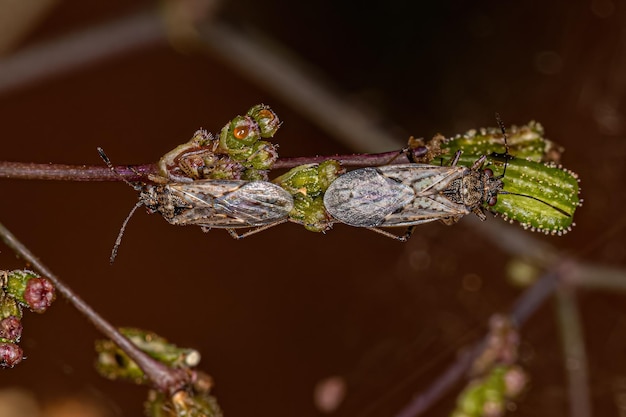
(139, 173)
(526, 304)
(575, 358)
(165, 379)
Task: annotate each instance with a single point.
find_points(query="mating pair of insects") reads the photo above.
(403, 195)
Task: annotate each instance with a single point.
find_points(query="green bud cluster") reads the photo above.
(19, 289)
(492, 394)
(307, 184)
(238, 152)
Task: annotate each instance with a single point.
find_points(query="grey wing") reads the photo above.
(365, 197)
(232, 203)
(428, 204)
(424, 209)
(257, 203)
(425, 179)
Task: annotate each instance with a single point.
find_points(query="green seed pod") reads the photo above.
(556, 187)
(240, 133)
(525, 142)
(113, 363)
(266, 118)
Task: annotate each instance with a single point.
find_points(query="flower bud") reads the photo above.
(30, 290)
(264, 154)
(266, 118)
(241, 132)
(11, 329)
(10, 355)
(39, 294)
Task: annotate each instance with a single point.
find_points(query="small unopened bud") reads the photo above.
(39, 294)
(264, 154)
(30, 290)
(328, 172)
(266, 118)
(10, 355)
(241, 132)
(11, 329)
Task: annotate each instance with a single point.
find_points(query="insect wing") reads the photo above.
(429, 183)
(395, 195)
(258, 203)
(232, 203)
(366, 197)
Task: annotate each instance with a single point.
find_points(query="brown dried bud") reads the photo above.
(11, 329)
(39, 294)
(10, 355)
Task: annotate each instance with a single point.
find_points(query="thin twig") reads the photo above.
(165, 379)
(139, 173)
(574, 352)
(80, 49)
(59, 172)
(526, 304)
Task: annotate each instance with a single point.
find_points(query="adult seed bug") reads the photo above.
(222, 204)
(406, 195)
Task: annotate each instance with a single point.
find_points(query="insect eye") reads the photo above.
(488, 172)
(493, 199)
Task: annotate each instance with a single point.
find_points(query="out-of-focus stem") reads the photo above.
(526, 304)
(574, 352)
(165, 379)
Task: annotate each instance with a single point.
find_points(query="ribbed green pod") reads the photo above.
(527, 142)
(556, 187)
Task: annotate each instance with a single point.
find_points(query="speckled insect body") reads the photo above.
(410, 194)
(215, 203)
(225, 204)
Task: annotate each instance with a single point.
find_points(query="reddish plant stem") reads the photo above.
(527, 303)
(163, 378)
(60, 172)
(138, 173)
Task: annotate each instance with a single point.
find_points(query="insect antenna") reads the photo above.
(508, 157)
(538, 199)
(107, 161)
(118, 240)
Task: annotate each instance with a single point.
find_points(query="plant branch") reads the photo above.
(165, 379)
(522, 310)
(139, 173)
(574, 356)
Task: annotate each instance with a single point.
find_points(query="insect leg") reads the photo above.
(236, 236)
(457, 155)
(400, 238)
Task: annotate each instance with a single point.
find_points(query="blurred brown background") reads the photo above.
(278, 312)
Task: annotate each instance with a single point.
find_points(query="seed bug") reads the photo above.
(222, 204)
(406, 195)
